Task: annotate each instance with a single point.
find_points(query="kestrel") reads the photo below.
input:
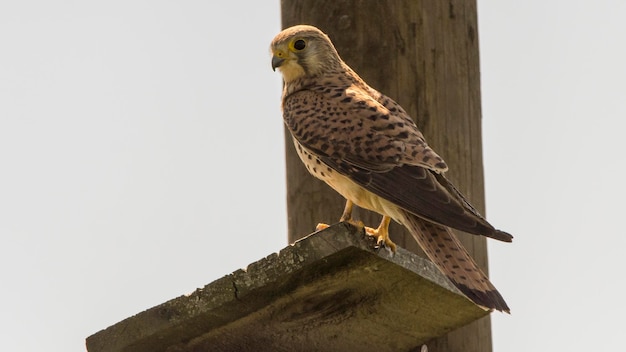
(367, 148)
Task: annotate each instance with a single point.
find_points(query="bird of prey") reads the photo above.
(366, 147)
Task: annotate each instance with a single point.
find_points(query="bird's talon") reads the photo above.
(386, 242)
(381, 235)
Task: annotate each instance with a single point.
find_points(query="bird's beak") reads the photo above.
(277, 62)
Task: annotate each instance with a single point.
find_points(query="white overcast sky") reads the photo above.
(125, 178)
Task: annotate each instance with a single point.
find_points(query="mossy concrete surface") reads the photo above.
(330, 291)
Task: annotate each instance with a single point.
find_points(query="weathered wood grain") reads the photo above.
(330, 291)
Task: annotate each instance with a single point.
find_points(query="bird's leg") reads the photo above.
(382, 233)
(347, 211)
(346, 216)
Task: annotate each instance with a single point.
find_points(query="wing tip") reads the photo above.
(491, 299)
(502, 236)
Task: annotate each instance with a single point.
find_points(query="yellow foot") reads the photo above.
(321, 226)
(382, 235)
(357, 223)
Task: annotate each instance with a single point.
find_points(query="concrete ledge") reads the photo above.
(330, 291)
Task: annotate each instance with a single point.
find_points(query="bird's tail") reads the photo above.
(445, 250)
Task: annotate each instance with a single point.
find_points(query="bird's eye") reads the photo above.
(299, 44)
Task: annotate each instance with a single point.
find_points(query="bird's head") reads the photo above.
(303, 51)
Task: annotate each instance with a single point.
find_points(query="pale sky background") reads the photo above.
(124, 180)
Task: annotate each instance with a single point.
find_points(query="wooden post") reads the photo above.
(424, 55)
